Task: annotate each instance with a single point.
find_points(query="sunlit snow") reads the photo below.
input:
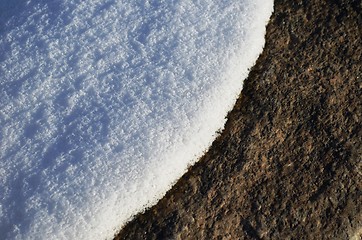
(104, 104)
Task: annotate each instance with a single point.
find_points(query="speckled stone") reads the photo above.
(289, 163)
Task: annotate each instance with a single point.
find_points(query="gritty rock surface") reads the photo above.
(289, 163)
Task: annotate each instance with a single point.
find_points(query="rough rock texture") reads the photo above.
(288, 164)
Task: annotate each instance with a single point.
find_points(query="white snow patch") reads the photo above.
(104, 104)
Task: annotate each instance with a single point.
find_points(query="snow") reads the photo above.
(105, 103)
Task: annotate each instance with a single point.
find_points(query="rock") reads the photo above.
(288, 163)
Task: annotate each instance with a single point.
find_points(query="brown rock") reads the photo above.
(288, 164)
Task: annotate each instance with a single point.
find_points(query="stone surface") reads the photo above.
(288, 164)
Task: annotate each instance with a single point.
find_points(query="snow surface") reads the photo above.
(104, 104)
